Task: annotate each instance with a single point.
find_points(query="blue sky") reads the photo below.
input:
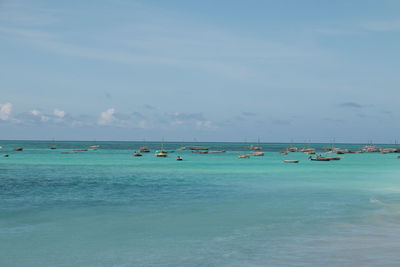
(211, 70)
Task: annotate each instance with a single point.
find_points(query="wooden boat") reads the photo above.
(318, 157)
(137, 154)
(218, 151)
(162, 153)
(200, 151)
(258, 153)
(179, 158)
(5, 155)
(53, 145)
(18, 149)
(182, 147)
(291, 161)
(144, 149)
(257, 148)
(244, 155)
(198, 148)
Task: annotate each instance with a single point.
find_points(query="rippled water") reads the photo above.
(107, 208)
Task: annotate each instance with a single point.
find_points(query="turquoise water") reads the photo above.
(107, 208)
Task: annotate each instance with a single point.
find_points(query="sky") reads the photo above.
(210, 70)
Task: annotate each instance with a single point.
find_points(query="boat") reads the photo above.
(257, 148)
(178, 158)
(53, 145)
(258, 153)
(244, 155)
(320, 159)
(18, 149)
(291, 161)
(137, 154)
(200, 151)
(94, 147)
(218, 151)
(162, 153)
(331, 151)
(291, 148)
(182, 146)
(5, 155)
(79, 150)
(284, 152)
(144, 149)
(68, 152)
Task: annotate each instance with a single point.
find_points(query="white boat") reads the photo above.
(178, 158)
(244, 155)
(291, 161)
(258, 153)
(162, 153)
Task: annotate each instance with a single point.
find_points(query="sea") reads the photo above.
(107, 208)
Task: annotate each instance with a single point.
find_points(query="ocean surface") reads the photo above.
(108, 208)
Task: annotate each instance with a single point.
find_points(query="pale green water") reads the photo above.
(107, 208)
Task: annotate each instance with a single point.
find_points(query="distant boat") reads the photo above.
(291, 148)
(182, 146)
(5, 155)
(94, 147)
(291, 161)
(18, 149)
(144, 148)
(256, 147)
(67, 152)
(53, 145)
(178, 158)
(162, 153)
(79, 150)
(319, 157)
(258, 153)
(284, 152)
(218, 151)
(244, 155)
(200, 151)
(137, 154)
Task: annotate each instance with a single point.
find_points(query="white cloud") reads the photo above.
(5, 111)
(59, 113)
(107, 117)
(35, 112)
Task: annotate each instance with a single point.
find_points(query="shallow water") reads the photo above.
(105, 207)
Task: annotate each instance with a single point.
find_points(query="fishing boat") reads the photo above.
(137, 154)
(218, 151)
(144, 149)
(200, 151)
(319, 157)
(331, 151)
(182, 147)
(291, 161)
(292, 148)
(18, 149)
(53, 145)
(244, 155)
(178, 158)
(257, 148)
(162, 153)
